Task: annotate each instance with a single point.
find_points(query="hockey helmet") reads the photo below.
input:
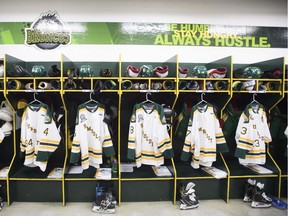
(199, 71)
(161, 71)
(273, 74)
(54, 71)
(105, 73)
(86, 71)
(19, 71)
(249, 72)
(146, 71)
(132, 71)
(217, 73)
(252, 72)
(38, 71)
(182, 73)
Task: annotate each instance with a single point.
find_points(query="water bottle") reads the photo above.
(114, 168)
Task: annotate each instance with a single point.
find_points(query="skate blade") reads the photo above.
(247, 199)
(97, 209)
(185, 207)
(260, 205)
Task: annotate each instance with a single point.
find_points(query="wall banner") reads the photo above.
(50, 33)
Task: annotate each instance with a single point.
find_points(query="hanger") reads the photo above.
(254, 103)
(147, 99)
(35, 99)
(91, 99)
(202, 102)
(148, 104)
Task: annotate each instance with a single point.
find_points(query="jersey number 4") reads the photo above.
(46, 131)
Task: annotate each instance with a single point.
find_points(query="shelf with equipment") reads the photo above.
(260, 77)
(21, 76)
(148, 76)
(153, 82)
(250, 87)
(90, 83)
(83, 76)
(27, 89)
(213, 77)
(205, 77)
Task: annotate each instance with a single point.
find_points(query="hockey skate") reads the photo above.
(249, 190)
(103, 204)
(102, 189)
(260, 199)
(188, 198)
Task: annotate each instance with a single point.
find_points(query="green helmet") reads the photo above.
(252, 72)
(85, 71)
(146, 71)
(199, 71)
(38, 71)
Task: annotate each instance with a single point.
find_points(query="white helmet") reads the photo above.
(132, 71)
(161, 71)
(217, 73)
(182, 73)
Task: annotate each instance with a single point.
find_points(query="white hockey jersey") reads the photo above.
(148, 140)
(204, 137)
(39, 135)
(251, 135)
(92, 137)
